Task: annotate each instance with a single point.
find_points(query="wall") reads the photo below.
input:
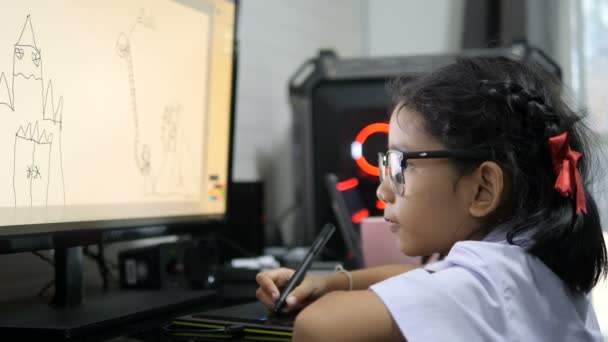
(555, 27)
(276, 37)
(405, 27)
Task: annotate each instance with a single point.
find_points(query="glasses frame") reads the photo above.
(460, 154)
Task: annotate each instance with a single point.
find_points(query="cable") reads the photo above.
(284, 214)
(102, 264)
(45, 288)
(275, 225)
(50, 283)
(44, 257)
(240, 249)
(103, 267)
(231, 331)
(95, 256)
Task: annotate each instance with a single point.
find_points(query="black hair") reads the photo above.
(509, 109)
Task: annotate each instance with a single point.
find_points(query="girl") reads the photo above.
(488, 166)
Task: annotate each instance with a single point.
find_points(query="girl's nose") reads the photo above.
(384, 192)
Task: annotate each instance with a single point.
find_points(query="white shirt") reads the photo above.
(487, 291)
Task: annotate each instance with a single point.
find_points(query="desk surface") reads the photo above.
(104, 314)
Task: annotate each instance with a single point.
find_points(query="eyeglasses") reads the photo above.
(394, 163)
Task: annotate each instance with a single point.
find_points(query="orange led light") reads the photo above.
(347, 184)
(360, 139)
(360, 215)
(380, 204)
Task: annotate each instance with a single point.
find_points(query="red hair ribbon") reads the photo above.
(565, 162)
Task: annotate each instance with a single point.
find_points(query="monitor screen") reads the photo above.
(114, 113)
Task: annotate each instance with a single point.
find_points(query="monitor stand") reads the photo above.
(70, 315)
(68, 277)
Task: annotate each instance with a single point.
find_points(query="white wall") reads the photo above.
(276, 37)
(406, 27)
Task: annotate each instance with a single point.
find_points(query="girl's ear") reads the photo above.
(489, 185)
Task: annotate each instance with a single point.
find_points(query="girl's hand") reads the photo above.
(272, 282)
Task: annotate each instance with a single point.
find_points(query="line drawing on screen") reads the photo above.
(36, 123)
(163, 171)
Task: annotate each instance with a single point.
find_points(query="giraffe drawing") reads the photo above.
(163, 169)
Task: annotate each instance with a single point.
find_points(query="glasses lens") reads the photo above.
(382, 166)
(395, 171)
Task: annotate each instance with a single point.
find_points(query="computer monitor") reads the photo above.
(117, 121)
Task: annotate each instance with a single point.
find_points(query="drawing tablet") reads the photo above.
(254, 317)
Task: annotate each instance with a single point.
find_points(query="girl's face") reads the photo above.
(433, 212)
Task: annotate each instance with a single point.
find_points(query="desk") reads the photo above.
(105, 316)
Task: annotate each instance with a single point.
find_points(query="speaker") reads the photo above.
(202, 264)
(243, 235)
(153, 267)
(189, 264)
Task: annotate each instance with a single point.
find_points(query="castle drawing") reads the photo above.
(32, 122)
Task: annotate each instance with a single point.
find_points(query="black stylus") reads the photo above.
(302, 269)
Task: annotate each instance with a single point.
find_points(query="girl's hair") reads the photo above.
(509, 109)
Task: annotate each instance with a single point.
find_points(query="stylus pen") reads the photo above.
(302, 269)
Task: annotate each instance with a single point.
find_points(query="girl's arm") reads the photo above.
(315, 286)
(357, 315)
(364, 278)
(346, 316)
